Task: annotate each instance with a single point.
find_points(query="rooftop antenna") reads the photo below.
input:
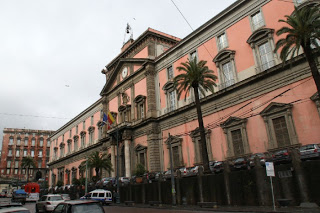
(128, 31)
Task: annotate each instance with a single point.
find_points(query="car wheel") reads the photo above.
(37, 210)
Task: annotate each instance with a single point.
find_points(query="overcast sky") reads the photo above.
(52, 52)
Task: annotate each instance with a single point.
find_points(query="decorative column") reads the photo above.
(113, 159)
(105, 108)
(126, 136)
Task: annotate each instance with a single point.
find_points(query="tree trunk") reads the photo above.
(27, 174)
(205, 159)
(313, 66)
(97, 173)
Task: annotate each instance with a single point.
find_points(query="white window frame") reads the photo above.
(170, 72)
(222, 41)
(260, 24)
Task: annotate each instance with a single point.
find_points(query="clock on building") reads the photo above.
(124, 72)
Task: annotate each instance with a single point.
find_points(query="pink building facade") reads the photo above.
(258, 106)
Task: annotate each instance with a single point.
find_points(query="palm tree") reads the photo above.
(302, 32)
(28, 162)
(98, 161)
(198, 76)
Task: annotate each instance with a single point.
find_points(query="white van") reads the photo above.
(101, 195)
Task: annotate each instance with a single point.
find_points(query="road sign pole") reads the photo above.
(274, 206)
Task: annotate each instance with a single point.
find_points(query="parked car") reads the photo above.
(124, 180)
(216, 166)
(109, 182)
(79, 206)
(157, 176)
(48, 202)
(193, 171)
(240, 163)
(262, 156)
(309, 151)
(3, 195)
(101, 195)
(19, 196)
(281, 156)
(65, 197)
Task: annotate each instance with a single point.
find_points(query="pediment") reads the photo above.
(275, 107)
(196, 132)
(139, 98)
(140, 147)
(259, 34)
(224, 54)
(173, 140)
(125, 62)
(233, 121)
(168, 86)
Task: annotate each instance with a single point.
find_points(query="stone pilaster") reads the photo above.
(153, 147)
(151, 94)
(113, 160)
(105, 108)
(126, 136)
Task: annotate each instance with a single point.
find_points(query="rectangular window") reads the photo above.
(25, 152)
(40, 153)
(16, 164)
(172, 101)
(10, 141)
(26, 141)
(8, 163)
(32, 153)
(8, 171)
(70, 133)
(141, 110)
(281, 131)
(33, 142)
(257, 21)
(41, 142)
(48, 143)
(10, 152)
(170, 72)
(193, 56)
(18, 141)
(227, 70)
(142, 160)
(69, 147)
(39, 164)
(237, 142)
(176, 157)
(222, 41)
(92, 120)
(16, 171)
(23, 171)
(266, 56)
(75, 145)
(84, 125)
(77, 129)
(63, 137)
(17, 153)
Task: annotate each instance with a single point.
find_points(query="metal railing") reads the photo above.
(265, 66)
(226, 84)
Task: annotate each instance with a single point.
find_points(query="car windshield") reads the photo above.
(87, 208)
(55, 198)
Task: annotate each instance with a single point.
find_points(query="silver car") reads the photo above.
(48, 202)
(309, 151)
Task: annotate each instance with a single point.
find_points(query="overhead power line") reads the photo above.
(35, 116)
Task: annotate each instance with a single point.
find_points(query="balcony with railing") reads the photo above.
(265, 66)
(226, 84)
(169, 109)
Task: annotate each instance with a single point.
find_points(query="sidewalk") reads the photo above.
(264, 209)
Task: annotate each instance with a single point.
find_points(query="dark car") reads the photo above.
(79, 206)
(281, 156)
(262, 156)
(216, 166)
(19, 196)
(240, 163)
(309, 151)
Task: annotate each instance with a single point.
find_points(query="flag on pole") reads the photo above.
(108, 119)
